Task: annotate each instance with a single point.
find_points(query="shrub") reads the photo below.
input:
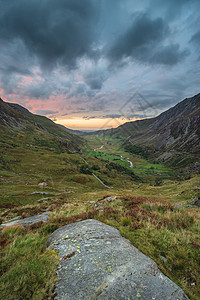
(95, 167)
(122, 169)
(125, 221)
(136, 150)
(85, 169)
(80, 179)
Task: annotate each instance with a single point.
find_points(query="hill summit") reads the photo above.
(34, 129)
(176, 130)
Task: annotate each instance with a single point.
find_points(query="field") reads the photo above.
(150, 209)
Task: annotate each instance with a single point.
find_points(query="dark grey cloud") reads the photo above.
(116, 116)
(60, 32)
(144, 41)
(112, 116)
(156, 102)
(172, 8)
(78, 89)
(143, 31)
(38, 93)
(95, 83)
(109, 116)
(196, 38)
(14, 69)
(14, 59)
(93, 53)
(95, 77)
(90, 93)
(8, 83)
(57, 32)
(81, 93)
(99, 104)
(169, 55)
(90, 117)
(45, 112)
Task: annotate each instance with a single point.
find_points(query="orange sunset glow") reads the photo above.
(91, 124)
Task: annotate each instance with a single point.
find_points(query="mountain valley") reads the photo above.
(142, 178)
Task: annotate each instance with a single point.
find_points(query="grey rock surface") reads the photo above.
(197, 202)
(96, 262)
(100, 203)
(28, 221)
(42, 193)
(111, 198)
(178, 205)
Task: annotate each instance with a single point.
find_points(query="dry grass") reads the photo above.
(158, 229)
(153, 225)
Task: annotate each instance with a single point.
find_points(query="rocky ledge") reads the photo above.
(28, 221)
(96, 262)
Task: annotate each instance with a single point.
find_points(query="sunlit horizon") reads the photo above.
(120, 61)
(92, 124)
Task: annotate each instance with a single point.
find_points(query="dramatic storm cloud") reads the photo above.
(56, 32)
(69, 58)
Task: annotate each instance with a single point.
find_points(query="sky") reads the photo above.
(95, 64)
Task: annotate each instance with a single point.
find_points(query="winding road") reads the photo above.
(122, 158)
(85, 161)
(127, 159)
(131, 164)
(101, 181)
(96, 150)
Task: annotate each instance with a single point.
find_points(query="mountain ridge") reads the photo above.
(178, 128)
(14, 118)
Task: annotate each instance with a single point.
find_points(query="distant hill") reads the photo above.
(35, 129)
(175, 130)
(77, 132)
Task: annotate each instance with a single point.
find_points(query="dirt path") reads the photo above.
(96, 176)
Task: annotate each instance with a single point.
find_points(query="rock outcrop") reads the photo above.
(98, 263)
(28, 221)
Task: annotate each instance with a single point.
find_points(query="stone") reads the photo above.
(13, 219)
(36, 192)
(197, 202)
(163, 258)
(177, 205)
(96, 262)
(111, 198)
(191, 206)
(43, 199)
(28, 221)
(107, 199)
(42, 184)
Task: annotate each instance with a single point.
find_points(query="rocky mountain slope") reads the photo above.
(175, 130)
(15, 120)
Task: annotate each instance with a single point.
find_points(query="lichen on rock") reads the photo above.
(96, 262)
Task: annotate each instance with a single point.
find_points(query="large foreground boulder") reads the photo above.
(98, 263)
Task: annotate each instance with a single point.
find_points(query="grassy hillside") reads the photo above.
(143, 213)
(40, 173)
(21, 128)
(173, 137)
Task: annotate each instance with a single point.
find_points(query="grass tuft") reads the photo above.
(28, 269)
